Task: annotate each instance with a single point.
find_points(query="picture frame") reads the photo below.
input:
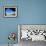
(39, 32)
(10, 11)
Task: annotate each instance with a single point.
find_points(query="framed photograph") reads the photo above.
(33, 32)
(10, 11)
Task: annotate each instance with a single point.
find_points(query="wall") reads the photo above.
(29, 12)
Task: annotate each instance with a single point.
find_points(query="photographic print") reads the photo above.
(10, 11)
(32, 32)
